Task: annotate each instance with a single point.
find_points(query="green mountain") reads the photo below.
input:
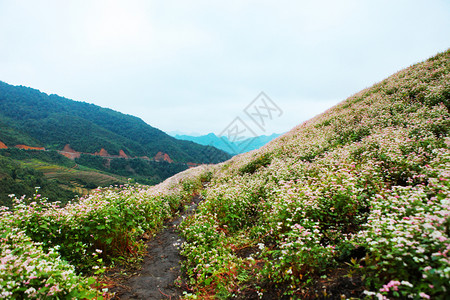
(33, 118)
(126, 147)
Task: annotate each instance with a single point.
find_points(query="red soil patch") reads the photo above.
(69, 152)
(67, 148)
(3, 146)
(25, 147)
(161, 156)
(102, 152)
(70, 155)
(123, 154)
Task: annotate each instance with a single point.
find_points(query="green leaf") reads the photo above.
(91, 280)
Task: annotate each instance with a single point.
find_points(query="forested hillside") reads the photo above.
(30, 117)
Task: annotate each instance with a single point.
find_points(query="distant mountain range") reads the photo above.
(232, 147)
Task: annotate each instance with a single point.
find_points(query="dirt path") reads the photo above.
(161, 266)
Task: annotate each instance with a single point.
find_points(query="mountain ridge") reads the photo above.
(231, 147)
(37, 119)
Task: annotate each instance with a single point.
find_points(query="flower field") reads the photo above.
(47, 251)
(354, 203)
(359, 193)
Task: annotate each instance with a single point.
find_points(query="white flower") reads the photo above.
(30, 290)
(406, 283)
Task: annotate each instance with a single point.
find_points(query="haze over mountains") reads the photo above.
(225, 144)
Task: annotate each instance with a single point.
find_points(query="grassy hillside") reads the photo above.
(30, 117)
(354, 199)
(140, 170)
(354, 203)
(57, 177)
(68, 178)
(18, 179)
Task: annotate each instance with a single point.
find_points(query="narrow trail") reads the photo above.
(161, 266)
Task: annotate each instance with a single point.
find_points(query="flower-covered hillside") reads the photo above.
(354, 201)
(45, 250)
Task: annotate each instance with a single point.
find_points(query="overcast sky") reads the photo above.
(194, 66)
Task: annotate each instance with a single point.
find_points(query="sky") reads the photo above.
(200, 66)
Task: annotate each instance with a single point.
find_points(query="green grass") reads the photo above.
(78, 176)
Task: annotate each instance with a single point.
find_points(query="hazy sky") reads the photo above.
(194, 66)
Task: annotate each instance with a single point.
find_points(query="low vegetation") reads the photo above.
(47, 251)
(141, 170)
(61, 179)
(58, 178)
(19, 179)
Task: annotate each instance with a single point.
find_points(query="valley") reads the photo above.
(103, 147)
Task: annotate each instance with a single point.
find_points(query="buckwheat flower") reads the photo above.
(6, 294)
(407, 283)
(381, 297)
(369, 293)
(98, 251)
(424, 296)
(30, 290)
